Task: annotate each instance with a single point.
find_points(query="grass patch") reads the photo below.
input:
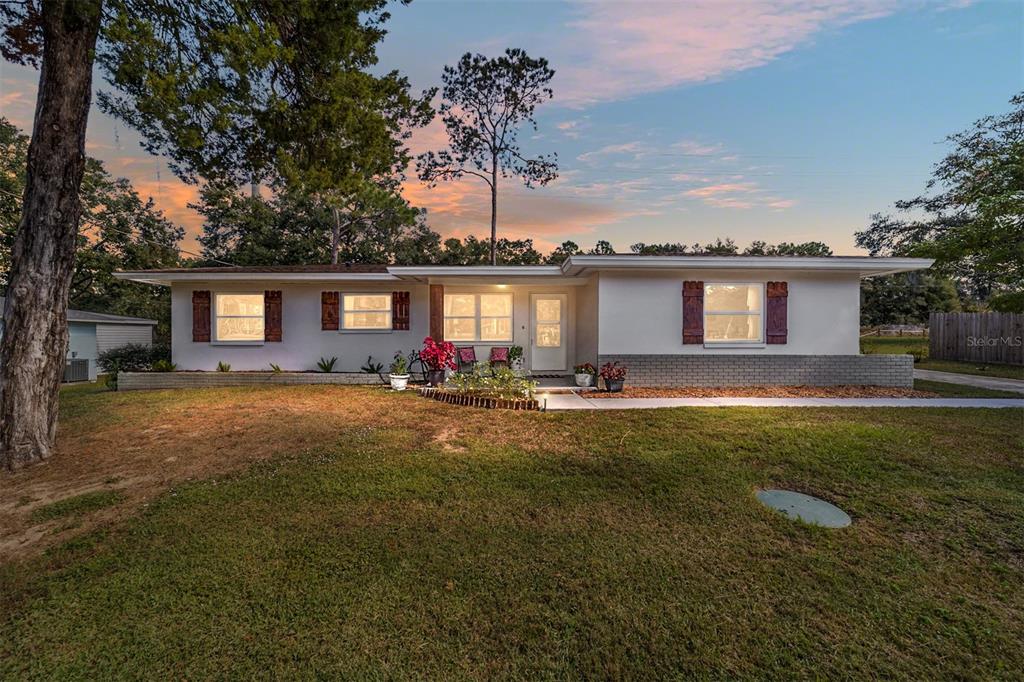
(77, 505)
(947, 390)
(388, 536)
(899, 345)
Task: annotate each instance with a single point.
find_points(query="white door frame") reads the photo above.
(540, 358)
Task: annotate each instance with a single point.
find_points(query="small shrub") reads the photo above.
(131, 357)
(164, 366)
(326, 366)
(613, 371)
(372, 367)
(501, 382)
(919, 354)
(223, 367)
(400, 365)
(585, 368)
(515, 354)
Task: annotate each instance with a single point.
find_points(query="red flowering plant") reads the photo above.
(613, 371)
(438, 355)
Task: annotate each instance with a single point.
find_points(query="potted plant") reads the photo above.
(614, 375)
(437, 357)
(399, 372)
(585, 374)
(515, 358)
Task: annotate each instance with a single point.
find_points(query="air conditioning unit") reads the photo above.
(76, 370)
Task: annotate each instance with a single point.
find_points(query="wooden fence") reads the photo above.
(977, 337)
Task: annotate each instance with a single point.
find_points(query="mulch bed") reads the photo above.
(765, 392)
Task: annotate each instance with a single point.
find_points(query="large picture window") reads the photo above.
(478, 317)
(733, 313)
(239, 317)
(366, 311)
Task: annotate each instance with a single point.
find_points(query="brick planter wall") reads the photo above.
(137, 381)
(764, 370)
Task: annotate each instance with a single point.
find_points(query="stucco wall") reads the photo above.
(641, 314)
(587, 306)
(82, 344)
(303, 342)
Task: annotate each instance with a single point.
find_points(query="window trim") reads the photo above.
(478, 318)
(215, 341)
(759, 342)
(342, 329)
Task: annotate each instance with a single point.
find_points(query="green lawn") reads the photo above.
(391, 536)
(948, 390)
(905, 344)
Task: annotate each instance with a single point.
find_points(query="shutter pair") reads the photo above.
(776, 313)
(201, 316)
(330, 310)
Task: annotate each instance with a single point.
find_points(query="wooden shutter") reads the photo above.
(400, 310)
(271, 315)
(778, 302)
(437, 312)
(201, 316)
(693, 312)
(329, 310)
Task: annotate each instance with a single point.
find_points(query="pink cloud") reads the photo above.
(622, 49)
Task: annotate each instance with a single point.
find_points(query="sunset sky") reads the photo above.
(787, 121)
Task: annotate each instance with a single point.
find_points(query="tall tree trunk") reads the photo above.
(494, 210)
(34, 347)
(336, 237)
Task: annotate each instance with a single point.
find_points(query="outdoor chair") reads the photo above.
(467, 357)
(499, 356)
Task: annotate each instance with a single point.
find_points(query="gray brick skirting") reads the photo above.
(762, 370)
(136, 381)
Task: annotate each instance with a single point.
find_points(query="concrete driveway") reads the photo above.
(994, 383)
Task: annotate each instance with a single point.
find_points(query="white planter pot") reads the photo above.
(584, 380)
(399, 381)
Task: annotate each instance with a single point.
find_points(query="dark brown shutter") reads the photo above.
(271, 315)
(778, 302)
(400, 310)
(329, 310)
(201, 316)
(693, 312)
(437, 312)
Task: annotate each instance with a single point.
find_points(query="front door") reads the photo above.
(547, 332)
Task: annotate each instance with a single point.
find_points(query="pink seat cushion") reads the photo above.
(499, 354)
(467, 355)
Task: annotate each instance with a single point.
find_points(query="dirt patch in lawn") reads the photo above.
(766, 392)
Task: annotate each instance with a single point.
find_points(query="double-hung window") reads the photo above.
(362, 312)
(478, 317)
(239, 317)
(733, 313)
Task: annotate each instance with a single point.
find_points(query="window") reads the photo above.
(732, 313)
(366, 311)
(478, 317)
(239, 317)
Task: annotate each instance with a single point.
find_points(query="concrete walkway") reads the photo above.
(575, 401)
(994, 383)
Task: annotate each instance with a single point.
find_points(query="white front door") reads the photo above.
(547, 332)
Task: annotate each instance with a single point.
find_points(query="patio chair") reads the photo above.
(499, 356)
(467, 357)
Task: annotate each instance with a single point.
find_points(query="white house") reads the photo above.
(673, 320)
(89, 334)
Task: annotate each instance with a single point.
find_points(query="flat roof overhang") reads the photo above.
(167, 278)
(864, 266)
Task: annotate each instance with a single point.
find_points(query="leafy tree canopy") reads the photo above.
(906, 298)
(119, 231)
(485, 101)
(971, 219)
(728, 247)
